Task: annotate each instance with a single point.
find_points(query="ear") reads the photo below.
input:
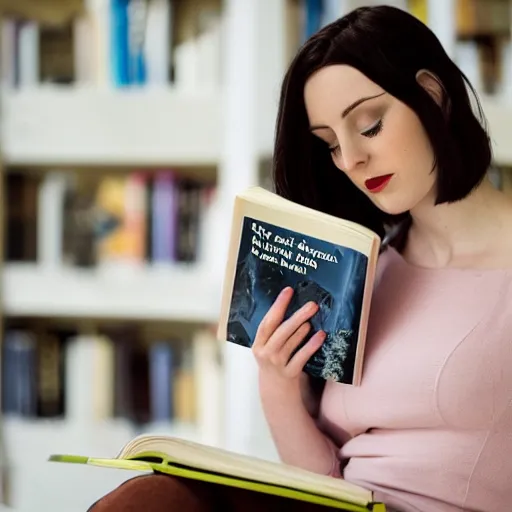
(433, 86)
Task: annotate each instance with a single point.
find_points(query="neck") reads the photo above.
(448, 233)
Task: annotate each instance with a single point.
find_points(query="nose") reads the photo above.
(354, 157)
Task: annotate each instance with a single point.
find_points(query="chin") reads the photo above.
(392, 207)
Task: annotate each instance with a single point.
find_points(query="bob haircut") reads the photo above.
(389, 46)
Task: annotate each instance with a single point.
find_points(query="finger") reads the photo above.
(290, 326)
(273, 317)
(299, 360)
(293, 342)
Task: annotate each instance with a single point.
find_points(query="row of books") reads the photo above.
(138, 217)
(118, 43)
(55, 373)
(122, 43)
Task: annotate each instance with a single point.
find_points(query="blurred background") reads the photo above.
(126, 128)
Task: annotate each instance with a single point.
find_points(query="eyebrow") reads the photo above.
(349, 109)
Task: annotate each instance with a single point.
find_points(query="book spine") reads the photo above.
(28, 54)
(19, 381)
(158, 40)
(49, 377)
(137, 13)
(120, 44)
(313, 17)
(51, 195)
(164, 217)
(161, 361)
(136, 217)
(8, 53)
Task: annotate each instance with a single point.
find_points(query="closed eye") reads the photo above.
(334, 149)
(370, 132)
(373, 130)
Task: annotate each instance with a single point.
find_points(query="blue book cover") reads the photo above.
(161, 376)
(276, 243)
(19, 391)
(120, 42)
(313, 17)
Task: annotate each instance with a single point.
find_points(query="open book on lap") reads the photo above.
(186, 459)
(276, 243)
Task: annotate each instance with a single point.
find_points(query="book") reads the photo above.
(188, 459)
(275, 243)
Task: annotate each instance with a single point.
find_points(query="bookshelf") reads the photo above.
(218, 132)
(215, 131)
(34, 292)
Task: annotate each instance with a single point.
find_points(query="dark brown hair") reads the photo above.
(389, 46)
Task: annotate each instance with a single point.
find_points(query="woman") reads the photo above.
(375, 125)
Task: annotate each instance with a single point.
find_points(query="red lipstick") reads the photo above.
(378, 183)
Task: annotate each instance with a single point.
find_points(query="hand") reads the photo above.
(277, 340)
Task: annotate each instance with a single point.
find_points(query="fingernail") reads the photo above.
(310, 306)
(285, 291)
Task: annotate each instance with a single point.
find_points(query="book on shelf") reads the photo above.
(276, 243)
(117, 373)
(65, 218)
(187, 459)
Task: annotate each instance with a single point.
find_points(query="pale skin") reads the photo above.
(472, 233)
(378, 136)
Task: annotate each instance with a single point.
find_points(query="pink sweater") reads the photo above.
(430, 428)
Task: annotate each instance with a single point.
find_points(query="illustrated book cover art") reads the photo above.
(187, 459)
(276, 243)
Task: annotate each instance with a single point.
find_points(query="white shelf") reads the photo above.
(66, 126)
(173, 293)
